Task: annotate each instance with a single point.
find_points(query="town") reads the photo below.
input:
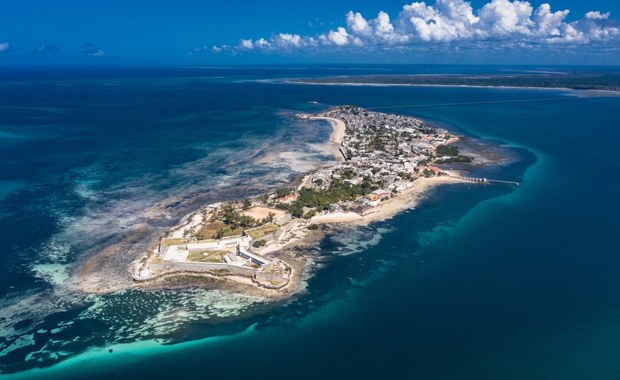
(382, 155)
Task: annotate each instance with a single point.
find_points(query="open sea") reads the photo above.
(478, 282)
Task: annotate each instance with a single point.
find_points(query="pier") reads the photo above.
(486, 180)
(344, 154)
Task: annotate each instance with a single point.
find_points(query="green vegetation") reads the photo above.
(282, 206)
(296, 209)
(210, 231)
(450, 160)
(574, 80)
(313, 227)
(324, 199)
(247, 204)
(405, 176)
(428, 173)
(228, 221)
(447, 150)
(231, 217)
(259, 232)
(347, 173)
(424, 162)
(230, 231)
(310, 214)
(259, 243)
(448, 154)
(377, 144)
(269, 217)
(284, 191)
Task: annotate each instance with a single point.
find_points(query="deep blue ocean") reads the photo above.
(477, 282)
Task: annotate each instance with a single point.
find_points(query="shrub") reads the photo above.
(259, 243)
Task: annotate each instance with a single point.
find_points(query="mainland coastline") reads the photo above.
(607, 83)
(385, 164)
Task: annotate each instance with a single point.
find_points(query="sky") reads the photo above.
(192, 32)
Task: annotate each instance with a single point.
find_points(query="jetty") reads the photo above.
(486, 180)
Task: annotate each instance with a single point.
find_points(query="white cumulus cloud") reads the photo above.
(247, 44)
(338, 37)
(596, 15)
(549, 23)
(4, 46)
(420, 25)
(504, 17)
(287, 40)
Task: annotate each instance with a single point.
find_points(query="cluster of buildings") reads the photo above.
(384, 150)
(383, 154)
(181, 251)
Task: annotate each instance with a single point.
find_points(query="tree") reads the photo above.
(296, 210)
(283, 191)
(404, 175)
(247, 204)
(220, 233)
(259, 243)
(310, 214)
(230, 215)
(447, 150)
(281, 206)
(244, 221)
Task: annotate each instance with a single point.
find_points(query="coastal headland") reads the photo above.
(384, 164)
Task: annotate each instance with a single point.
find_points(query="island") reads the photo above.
(602, 81)
(384, 163)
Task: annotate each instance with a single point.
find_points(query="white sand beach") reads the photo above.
(336, 217)
(409, 198)
(336, 137)
(339, 128)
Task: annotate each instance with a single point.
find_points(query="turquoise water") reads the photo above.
(476, 283)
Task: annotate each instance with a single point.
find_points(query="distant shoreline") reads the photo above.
(371, 84)
(592, 91)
